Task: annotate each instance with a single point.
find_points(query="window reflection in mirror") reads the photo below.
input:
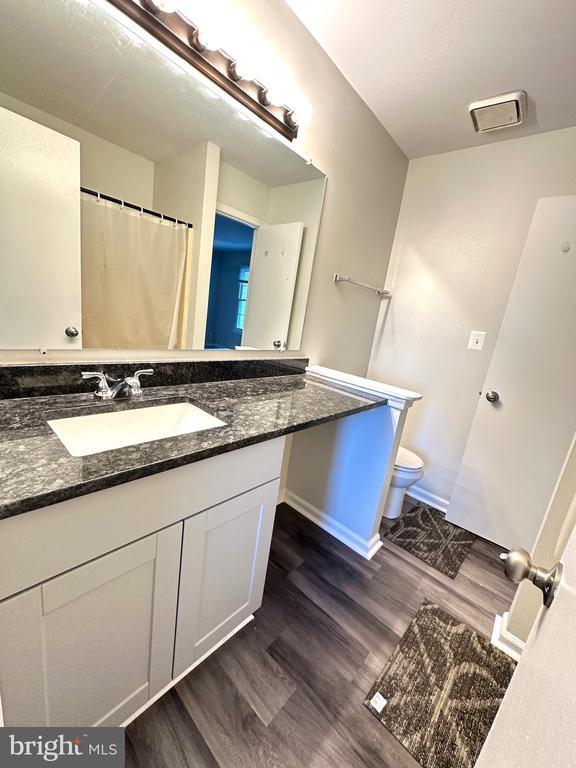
(172, 172)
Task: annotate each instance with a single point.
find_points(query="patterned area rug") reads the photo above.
(424, 532)
(441, 689)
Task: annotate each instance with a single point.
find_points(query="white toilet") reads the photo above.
(408, 469)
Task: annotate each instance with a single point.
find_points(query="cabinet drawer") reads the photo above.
(43, 543)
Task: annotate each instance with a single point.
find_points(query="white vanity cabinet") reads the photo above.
(110, 596)
(224, 559)
(93, 645)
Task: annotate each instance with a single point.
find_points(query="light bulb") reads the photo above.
(302, 113)
(275, 96)
(244, 72)
(209, 34)
(295, 117)
(208, 41)
(246, 62)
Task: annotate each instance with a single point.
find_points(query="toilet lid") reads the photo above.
(408, 460)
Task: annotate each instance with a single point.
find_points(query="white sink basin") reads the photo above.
(83, 435)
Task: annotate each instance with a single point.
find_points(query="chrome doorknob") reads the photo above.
(492, 396)
(518, 566)
(72, 331)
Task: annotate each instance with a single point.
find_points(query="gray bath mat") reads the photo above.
(424, 532)
(441, 689)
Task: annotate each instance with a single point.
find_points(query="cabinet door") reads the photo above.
(224, 559)
(93, 645)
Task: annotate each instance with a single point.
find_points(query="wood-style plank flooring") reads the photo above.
(287, 691)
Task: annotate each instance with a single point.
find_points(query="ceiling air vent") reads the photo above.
(502, 111)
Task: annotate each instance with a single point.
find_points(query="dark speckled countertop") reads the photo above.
(36, 470)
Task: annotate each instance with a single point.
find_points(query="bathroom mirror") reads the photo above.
(140, 207)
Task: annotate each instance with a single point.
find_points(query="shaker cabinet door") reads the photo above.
(91, 646)
(224, 559)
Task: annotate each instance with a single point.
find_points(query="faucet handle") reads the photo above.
(103, 390)
(93, 375)
(134, 381)
(143, 372)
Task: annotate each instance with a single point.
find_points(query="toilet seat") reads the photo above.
(406, 460)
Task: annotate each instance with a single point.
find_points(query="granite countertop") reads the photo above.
(36, 470)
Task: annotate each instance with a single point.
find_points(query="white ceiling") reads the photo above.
(70, 58)
(419, 63)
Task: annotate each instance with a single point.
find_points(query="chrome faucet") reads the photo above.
(109, 388)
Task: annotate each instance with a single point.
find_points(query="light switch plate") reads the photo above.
(476, 340)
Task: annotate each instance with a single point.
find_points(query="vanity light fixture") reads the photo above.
(161, 19)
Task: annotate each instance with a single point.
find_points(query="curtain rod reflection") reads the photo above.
(134, 207)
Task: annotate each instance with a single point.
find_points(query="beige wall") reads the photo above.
(463, 222)
(104, 167)
(179, 183)
(242, 192)
(186, 185)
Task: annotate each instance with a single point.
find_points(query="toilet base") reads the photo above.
(394, 504)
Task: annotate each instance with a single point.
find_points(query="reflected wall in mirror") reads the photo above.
(139, 207)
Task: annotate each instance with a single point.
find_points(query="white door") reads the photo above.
(517, 445)
(273, 269)
(534, 727)
(39, 236)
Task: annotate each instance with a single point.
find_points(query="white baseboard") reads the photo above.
(503, 639)
(419, 494)
(173, 682)
(366, 548)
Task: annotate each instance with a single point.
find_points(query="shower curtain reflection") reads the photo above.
(134, 273)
